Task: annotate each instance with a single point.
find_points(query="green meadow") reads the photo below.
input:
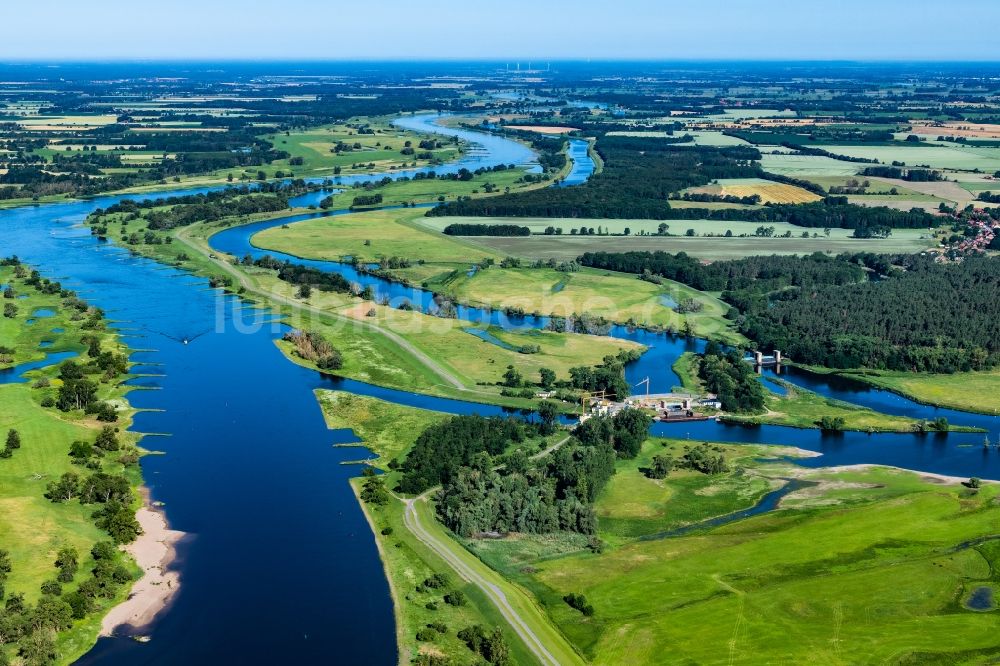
(862, 566)
(966, 391)
(33, 528)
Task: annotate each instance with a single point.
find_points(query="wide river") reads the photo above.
(281, 566)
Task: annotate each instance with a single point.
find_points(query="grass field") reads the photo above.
(370, 236)
(479, 362)
(967, 391)
(864, 567)
(383, 147)
(568, 248)
(408, 234)
(388, 430)
(800, 408)
(615, 296)
(634, 506)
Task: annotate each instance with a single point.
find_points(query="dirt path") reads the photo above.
(412, 521)
(430, 363)
(542, 454)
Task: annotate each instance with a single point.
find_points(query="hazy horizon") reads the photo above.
(394, 30)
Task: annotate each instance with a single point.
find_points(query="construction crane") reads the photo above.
(646, 382)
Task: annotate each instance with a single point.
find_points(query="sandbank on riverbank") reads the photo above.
(153, 551)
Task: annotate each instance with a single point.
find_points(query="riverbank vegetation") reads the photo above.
(68, 473)
(432, 603)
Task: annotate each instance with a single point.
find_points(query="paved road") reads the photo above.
(412, 521)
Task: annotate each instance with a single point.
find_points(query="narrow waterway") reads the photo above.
(280, 565)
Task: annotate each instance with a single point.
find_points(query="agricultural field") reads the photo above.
(701, 137)
(675, 228)
(960, 158)
(805, 166)
(768, 191)
(966, 129)
(542, 129)
(568, 248)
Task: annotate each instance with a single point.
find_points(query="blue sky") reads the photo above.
(510, 29)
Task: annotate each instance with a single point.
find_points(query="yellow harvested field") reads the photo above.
(769, 191)
(176, 129)
(543, 129)
(965, 129)
(57, 123)
(772, 193)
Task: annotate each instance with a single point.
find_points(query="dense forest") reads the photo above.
(930, 317)
(763, 273)
(822, 310)
(441, 449)
(523, 495)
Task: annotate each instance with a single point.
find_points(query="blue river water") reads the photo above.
(581, 164)
(280, 565)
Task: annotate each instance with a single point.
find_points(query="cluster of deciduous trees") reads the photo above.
(609, 376)
(903, 173)
(312, 346)
(624, 432)
(732, 379)
(31, 628)
(519, 498)
(441, 449)
(301, 275)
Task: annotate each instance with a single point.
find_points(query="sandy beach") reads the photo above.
(154, 550)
